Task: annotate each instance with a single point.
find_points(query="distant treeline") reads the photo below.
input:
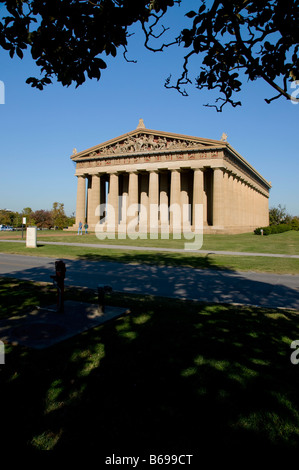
(55, 218)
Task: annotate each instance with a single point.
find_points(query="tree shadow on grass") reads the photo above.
(210, 284)
(157, 259)
(173, 376)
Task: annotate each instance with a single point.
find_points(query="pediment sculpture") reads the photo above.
(145, 143)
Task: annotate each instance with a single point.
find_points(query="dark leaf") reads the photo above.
(191, 14)
(19, 53)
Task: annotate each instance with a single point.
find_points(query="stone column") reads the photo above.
(185, 201)
(266, 210)
(247, 208)
(153, 200)
(133, 197)
(93, 201)
(218, 194)
(175, 201)
(236, 202)
(124, 198)
(144, 203)
(230, 200)
(242, 207)
(254, 206)
(250, 205)
(112, 215)
(198, 193)
(81, 200)
(226, 201)
(164, 203)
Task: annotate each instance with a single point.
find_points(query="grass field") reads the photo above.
(280, 243)
(284, 243)
(171, 376)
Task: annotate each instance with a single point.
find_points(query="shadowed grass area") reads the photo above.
(194, 260)
(171, 376)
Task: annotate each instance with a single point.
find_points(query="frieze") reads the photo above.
(125, 160)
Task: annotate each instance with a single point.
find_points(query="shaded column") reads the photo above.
(218, 197)
(175, 200)
(93, 201)
(103, 198)
(198, 195)
(81, 200)
(112, 212)
(153, 200)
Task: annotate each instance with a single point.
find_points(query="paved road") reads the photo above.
(269, 290)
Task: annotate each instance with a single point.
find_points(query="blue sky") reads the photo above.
(39, 129)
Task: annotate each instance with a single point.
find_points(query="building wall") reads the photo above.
(230, 204)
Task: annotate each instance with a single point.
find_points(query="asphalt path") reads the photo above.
(208, 285)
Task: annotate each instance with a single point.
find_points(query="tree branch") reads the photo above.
(149, 34)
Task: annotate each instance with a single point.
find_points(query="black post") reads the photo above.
(59, 283)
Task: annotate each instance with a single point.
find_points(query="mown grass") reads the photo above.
(194, 260)
(284, 243)
(171, 376)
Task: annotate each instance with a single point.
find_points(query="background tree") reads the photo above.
(28, 213)
(6, 217)
(232, 40)
(71, 220)
(278, 215)
(42, 218)
(17, 219)
(59, 219)
(295, 223)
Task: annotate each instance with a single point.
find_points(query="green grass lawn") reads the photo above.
(171, 376)
(284, 243)
(202, 261)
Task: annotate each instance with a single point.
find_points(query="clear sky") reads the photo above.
(39, 129)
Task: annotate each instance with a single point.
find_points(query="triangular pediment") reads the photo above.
(145, 141)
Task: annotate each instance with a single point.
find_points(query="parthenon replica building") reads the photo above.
(156, 169)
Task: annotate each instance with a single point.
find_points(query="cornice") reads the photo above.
(230, 151)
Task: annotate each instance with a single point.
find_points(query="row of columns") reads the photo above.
(227, 199)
